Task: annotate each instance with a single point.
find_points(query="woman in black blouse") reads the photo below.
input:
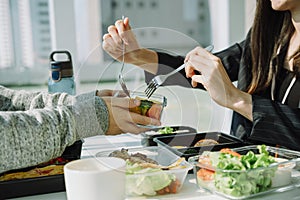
(266, 65)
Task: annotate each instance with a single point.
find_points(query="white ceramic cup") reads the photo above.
(95, 179)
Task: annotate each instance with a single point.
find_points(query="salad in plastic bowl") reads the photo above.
(247, 171)
(151, 171)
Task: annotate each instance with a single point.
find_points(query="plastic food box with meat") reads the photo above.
(188, 144)
(163, 172)
(248, 171)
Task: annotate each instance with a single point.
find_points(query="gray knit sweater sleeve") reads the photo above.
(36, 127)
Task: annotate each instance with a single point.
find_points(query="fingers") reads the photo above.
(126, 23)
(102, 93)
(110, 93)
(115, 34)
(125, 103)
(122, 27)
(197, 59)
(189, 71)
(198, 52)
(198, 79)
(123, 124)
(127, 28)
(134, 129)
(111, 47)
(194, 83)
(107, 41)
(117, 31)
(144, 120)
(123, 121)
(122, 102)
(118, 35)
(190, 66)
(119, 93)
(133, 120)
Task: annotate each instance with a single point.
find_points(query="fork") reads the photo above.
(160, 79)
(121, 79)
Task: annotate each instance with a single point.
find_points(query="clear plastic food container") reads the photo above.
(282, 174)
(152, 181)
(184, 144)
(150, 107)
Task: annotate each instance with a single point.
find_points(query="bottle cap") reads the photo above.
(60, 68)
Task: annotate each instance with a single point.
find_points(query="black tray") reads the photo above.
(190, 139)
(39, 185)
(147, 139)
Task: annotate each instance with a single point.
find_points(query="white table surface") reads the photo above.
(189, 190)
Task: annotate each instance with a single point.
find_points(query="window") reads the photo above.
(31, 29)
(25, 41)
(6, 41)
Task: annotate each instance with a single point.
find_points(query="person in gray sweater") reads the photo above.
(36, 127)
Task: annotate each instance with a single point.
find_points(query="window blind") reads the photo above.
(25, 41)
(6, 40)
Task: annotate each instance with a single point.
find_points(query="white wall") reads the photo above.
(231, 19)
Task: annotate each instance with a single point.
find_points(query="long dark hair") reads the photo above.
(271, 29)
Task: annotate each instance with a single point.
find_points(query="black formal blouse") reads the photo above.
(274, 122)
